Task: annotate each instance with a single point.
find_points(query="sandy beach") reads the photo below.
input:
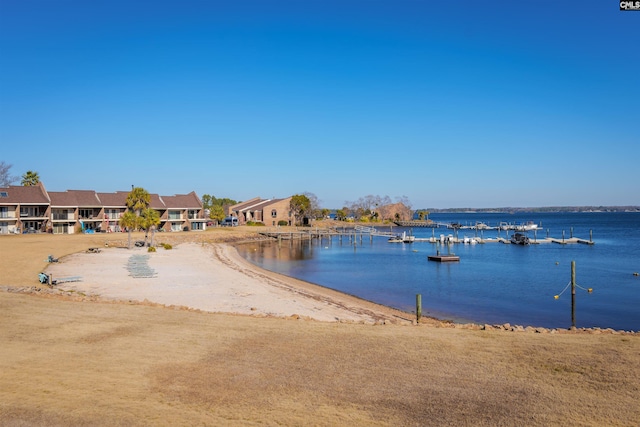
(209, 277)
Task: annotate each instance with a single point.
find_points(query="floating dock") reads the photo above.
(444, 258)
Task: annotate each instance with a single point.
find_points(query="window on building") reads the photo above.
(274, 213)
(112, 213)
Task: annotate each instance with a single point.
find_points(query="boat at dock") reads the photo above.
(469, 240)
(520, 239)
(402, 238)
(527, 226)
(409, 239)
(482, 226)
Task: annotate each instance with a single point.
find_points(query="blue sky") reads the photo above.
(451, 104)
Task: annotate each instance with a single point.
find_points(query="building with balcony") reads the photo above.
(24, 209)
(34, 209)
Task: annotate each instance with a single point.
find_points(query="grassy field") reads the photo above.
(75, 362)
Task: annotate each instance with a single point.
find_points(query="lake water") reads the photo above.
(493, 283)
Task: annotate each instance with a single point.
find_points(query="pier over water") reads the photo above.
(359, 232)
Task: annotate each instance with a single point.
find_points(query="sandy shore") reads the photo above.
(209, 277)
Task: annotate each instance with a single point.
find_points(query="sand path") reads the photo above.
(209, 277)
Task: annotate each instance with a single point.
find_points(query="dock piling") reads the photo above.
(573, 294)
(418, 307)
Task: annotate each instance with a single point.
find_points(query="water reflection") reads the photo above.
(286, 251)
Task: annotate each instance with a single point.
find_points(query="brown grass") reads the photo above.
(65, 362)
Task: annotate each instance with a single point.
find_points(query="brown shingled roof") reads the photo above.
(157, 202)
(37, 194)
(117, 199)
(18, 194)
(182, 201)
(83, 198)
(247, 204)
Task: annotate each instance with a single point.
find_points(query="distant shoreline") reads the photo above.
(549, 209)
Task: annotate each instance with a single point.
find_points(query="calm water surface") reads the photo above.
(493, 282)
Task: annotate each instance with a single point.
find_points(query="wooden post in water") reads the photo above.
(571, 232)
(418, 307)
(573, 294)
(591, 235)
(562, 236)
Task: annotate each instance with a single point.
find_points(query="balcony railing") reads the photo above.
(63, 217)
(32, 215)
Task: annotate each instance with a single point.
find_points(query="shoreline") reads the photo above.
(212, 277)
(236, 287)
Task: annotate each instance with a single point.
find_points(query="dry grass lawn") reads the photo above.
(71, 362)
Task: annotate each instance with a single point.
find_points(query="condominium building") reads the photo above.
(33, 209)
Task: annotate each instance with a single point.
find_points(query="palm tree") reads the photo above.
(149, 220)
(30, 178)
(138, 200)
(129, 221)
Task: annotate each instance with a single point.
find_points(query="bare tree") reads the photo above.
(6, 179)
(405, 201)
(368, 205)
(314, 204)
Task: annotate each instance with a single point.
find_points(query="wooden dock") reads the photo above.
(306, 233)
(444, 258)
(360, 232)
